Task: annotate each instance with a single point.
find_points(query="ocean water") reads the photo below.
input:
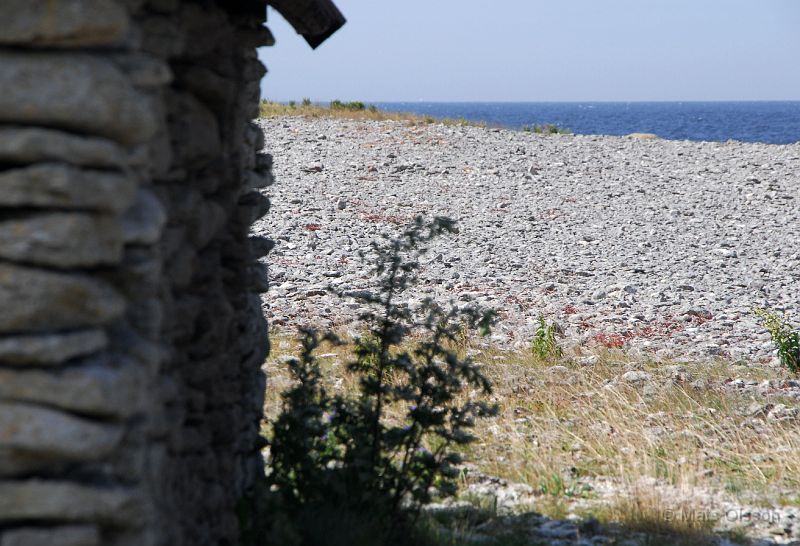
(769, 122)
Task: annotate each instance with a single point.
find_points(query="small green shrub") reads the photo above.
(544, 341)
(351, 458)
(546, 129)
(353, 106)
(785, 338)
(372, 108)
(306, 102)
(292, 104)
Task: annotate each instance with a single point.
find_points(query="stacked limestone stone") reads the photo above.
(131, 334)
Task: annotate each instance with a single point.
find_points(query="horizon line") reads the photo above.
(571, 101)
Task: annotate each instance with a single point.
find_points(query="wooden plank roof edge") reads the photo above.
(315, 20)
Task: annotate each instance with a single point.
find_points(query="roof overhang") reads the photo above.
(315, 20)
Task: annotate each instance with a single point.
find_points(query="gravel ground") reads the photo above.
(657, 246)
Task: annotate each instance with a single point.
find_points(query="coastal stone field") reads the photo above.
(656, 247)
(667, 415)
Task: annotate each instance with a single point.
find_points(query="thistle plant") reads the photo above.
(381, 454)
(785, 338)
(544, 344)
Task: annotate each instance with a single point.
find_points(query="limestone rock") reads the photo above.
(50, 434)
(144, 221)
(50, 349)
(194, 130)
(260, 246)
(207, 85)
(259, 179)
(643, 136)
(62, 186)
(35, 300)
(144, 71)
(62, 239)
(66, 23)
(252, 206)
(40, 500)
(91, 389)
(636, 376)
(162, 37)
(66, 535)
(208, 220)
(14, 463)
(75, 91)
(259, 278)
(34, 144)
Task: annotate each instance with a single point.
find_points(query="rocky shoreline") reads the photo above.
(653, 246)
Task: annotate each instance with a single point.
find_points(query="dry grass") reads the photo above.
(269, 109)
(586, 419)
(591, 443)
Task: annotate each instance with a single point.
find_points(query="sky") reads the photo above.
(536, 50)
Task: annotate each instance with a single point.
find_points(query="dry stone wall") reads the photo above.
(131, 334)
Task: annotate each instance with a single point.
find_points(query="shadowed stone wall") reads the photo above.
(131, 334)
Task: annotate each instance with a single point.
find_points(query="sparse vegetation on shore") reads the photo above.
(351, 110)
(360, 110)
(647, 446)
(546, 129)
(785, 338)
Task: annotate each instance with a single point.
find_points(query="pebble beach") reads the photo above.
(652, 246)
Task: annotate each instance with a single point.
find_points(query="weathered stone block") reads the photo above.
(66, 23)
(259, 179)
(263, 162)
(208, 85)
(50, 349)
(194, 130)
(33, 144)
(207, 28)
(181, 266)
(35, 300)
(74, 91)
(139, 276)
(259, 278)
(62, 186)
(143, 222)
(162, 37)
(95, 388)
(146, 316)
(143, 70)
(50, 434)
(65, 535)
(62, 239)
(260, 246)
(252, 206)
(40, 500)
(207, 222)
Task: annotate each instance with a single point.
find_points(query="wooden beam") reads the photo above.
(316, 20)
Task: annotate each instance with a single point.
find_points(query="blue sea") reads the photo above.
(770, 122)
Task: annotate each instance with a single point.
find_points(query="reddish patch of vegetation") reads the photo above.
(570, 310)
(514, 299)
(313, 227)
(665, 327)
(343, 259)
(612, 341)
